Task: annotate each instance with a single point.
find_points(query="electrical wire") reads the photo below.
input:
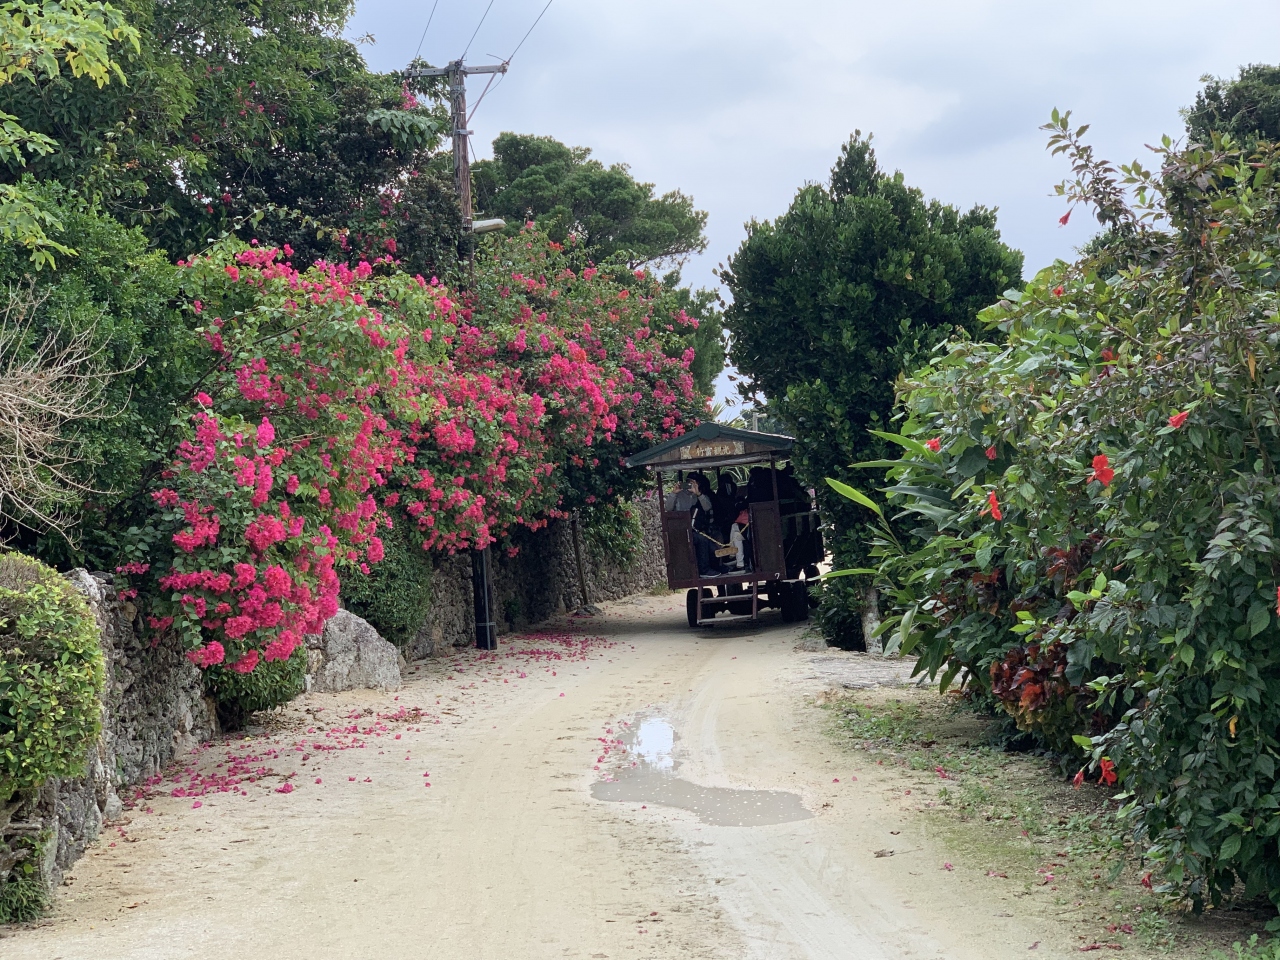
(426, 28)
(529, 31)
(480, 99)
(478, 26)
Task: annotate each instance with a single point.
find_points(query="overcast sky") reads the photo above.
(740, 102)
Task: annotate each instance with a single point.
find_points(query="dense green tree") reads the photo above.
(232, 109)
(1247, 108)
(40, 41)
(606, 208)
(121, 293)
(860, 279)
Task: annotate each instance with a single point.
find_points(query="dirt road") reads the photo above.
(456, 820)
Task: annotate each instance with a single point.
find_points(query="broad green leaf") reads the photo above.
(915, 446)
(855, 572)
(847, 491)
(1230, 847)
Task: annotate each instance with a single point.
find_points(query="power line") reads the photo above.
(529, 31)
(478, 26)
(426, 28)
(485, 92)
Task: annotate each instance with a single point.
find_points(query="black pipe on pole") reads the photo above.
(482, 594)
(577, 556)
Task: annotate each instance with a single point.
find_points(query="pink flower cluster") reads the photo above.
(365, 390)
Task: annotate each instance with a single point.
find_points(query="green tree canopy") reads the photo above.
(860, 279)
(567, 192)
(39, 42)
(234, 108)
(1247, 108)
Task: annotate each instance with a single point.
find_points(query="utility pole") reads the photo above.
(481, 565)
(457, 74)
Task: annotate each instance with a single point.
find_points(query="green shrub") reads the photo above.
(23, 895)
(51, 677)
(395, 596)
(1094, 514)
(121, 293)
(1253, 950)
(613, 531)
(270, 684)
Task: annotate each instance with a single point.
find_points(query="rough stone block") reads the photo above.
(353, 656)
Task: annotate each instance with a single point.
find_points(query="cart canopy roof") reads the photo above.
(713, 445)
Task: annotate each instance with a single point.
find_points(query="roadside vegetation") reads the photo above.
(1072, 516)
(1010, 815)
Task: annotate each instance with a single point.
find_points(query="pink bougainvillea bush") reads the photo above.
(276, 486)
(340, 401)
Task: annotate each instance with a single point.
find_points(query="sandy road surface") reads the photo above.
(506, 855)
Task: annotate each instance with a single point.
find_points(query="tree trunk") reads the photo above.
(871, 620)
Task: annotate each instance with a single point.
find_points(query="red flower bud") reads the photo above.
(935, 444)
(1178, 419)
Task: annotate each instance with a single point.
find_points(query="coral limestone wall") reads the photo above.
(153, 710)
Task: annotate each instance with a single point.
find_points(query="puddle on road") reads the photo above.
(653, 780)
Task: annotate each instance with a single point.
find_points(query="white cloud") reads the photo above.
(739, 102)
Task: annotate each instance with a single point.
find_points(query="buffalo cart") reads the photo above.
(782, 545)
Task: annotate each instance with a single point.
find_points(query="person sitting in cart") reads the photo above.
(702, 517)
(724, 504)
(739, 539)
(683, 498)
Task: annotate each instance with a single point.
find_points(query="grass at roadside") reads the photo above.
(1016, 817)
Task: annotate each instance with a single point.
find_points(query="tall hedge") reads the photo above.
(1097, 502)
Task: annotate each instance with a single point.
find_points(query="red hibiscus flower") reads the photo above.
(1062, 220)
(1078, 779)
(1178, 419)
(1058, 290)
(991, 452)
(994, 506)
(1102, 471)
(1108, 771)
(935, 444)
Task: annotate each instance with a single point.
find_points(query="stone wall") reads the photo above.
(539, 581)
(153, 710)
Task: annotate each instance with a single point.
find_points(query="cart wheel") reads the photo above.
(795, 602)
(691, 607)
(786, 603)
(801, 591)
